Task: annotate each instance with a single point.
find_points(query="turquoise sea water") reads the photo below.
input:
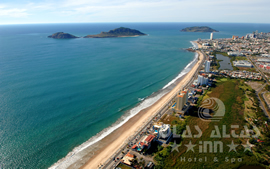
(56, 94)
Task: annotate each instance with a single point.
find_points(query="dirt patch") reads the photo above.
(248, 108)
(267, 98)
(239, 100)
(255, 85)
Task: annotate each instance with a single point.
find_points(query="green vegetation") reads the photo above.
(215, 63)
(62, 35)
(267, 87)
(180, 126)
(224, 79)
(119, 32)
(202, 97)
(218, 64)
(123, 166)
(198, 29)
(221, 53)
(233, 93)
(240, 58)
(163, 152)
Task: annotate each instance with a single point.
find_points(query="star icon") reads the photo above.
(247, 146)
(175, 147)
(232, 146)
(190, 146)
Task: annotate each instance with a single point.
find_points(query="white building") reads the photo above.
(263, 60)
(205, 44)
(202, 80)
(265, 55)
(205, 81)
(242, 63)
(234, 53)
(163, 130)
(207, 66)
(211, 36)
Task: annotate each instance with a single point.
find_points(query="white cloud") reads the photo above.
(139, 10)
(13, 12)
(40, 6)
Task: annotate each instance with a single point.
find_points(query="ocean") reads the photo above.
(62, 95)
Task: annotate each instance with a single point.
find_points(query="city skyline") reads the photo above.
(82, 11)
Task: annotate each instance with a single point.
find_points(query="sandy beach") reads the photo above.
(119, 137)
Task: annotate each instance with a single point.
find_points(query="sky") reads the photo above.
(87, 11)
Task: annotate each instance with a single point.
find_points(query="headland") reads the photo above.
(198, 29)
(62, 35)
(118, 32)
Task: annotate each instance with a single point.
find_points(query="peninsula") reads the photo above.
(119, 32)
(198, 29)
(62, 35)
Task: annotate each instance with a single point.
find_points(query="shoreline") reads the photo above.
(119, 137)
(83, 153)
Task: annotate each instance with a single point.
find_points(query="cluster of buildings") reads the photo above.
(188, 96)
(160, 133)
(263, 63)
(251, 44)
(144, 143)
(242, 74)
(242, 63)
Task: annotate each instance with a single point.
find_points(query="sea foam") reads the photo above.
(75, 154)
(185, 70)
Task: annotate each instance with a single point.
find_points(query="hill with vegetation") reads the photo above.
(62, 35)
(198, 29)
(119, 32)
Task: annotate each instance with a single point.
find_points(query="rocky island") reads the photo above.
(119, 32)
(198, 29)
(62, 35)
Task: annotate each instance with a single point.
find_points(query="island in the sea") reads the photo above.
(62, 35)
(118, 32)
(198, 29)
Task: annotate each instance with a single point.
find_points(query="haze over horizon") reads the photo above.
(81, 11)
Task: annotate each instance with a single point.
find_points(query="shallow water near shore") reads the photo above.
(57, 94)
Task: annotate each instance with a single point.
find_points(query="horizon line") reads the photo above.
(32, 23)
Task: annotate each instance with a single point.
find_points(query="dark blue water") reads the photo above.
(56, 94)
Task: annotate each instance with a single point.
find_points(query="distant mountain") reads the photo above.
(119, 32)
(198, 29)
(62, 35)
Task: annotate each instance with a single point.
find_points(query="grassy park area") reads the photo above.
(235, 95)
